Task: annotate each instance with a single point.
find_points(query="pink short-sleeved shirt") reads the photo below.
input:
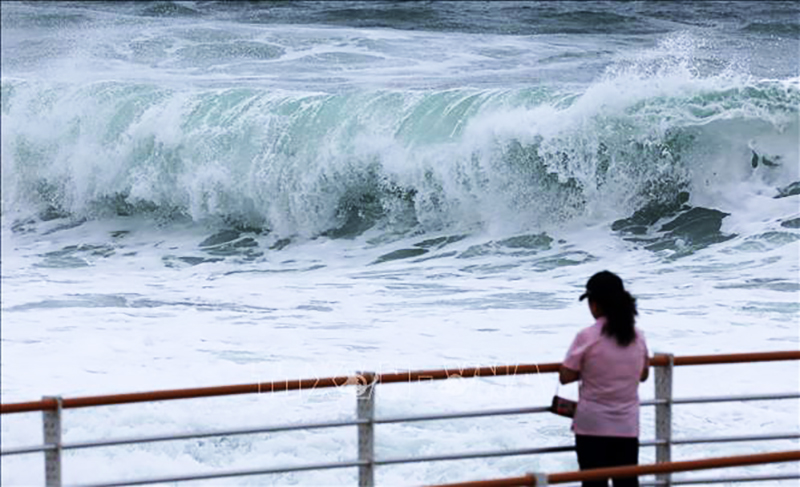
(608, 403)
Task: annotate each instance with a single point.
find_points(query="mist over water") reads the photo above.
(203, 193)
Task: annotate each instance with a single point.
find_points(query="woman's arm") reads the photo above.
(566, 375)
(645, 370)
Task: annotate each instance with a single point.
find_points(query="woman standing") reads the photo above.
(609, 358)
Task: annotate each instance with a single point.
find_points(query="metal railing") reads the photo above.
(365, 421)
(540, 479)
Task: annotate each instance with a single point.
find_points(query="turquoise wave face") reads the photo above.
(312, 163)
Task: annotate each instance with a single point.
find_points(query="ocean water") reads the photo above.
(209, 193)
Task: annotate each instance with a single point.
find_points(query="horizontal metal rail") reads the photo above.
(272, 429)
(753, 397)
(491, 371)
(388, 378)
(390, 461)
(633, 471)
(193, 393)
(732, 439)
(469, 414)
(722, 480)
(567, 448)
(208, 434)
(28, 449)
(712, 399)
(226, 474)
(300, 468)
(682, 466)
(477, 454)
(731, 358)
(355, 422)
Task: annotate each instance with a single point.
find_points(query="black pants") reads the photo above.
(607, 451)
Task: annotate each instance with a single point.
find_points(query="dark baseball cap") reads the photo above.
(604, 283)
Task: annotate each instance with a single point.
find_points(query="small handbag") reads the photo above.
(562, 406)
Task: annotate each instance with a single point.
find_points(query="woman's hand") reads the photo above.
(566, 375)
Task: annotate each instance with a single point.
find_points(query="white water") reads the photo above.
(206, 328)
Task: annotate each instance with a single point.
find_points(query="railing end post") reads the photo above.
(365, 410)
(538, 479)
(51, 419)
(663, 393)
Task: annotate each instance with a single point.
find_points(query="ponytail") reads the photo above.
(620, 312)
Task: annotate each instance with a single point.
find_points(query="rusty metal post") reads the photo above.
(52, 436)
(365, 410)
(663, 386)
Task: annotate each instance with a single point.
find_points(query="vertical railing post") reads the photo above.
(539, 479)
(663, 385)
(365, 410)
(52, 436)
